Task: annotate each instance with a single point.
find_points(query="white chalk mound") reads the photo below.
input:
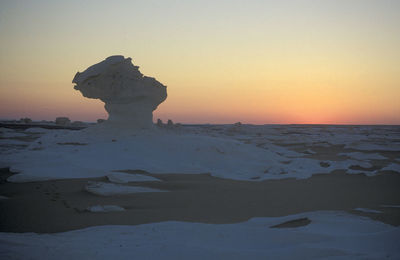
(129, 97)
(330, 235)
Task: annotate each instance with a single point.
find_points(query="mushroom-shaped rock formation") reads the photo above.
(130, 98)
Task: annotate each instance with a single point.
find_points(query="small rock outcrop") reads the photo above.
(160, 123)
(25, 120)
(62, 121)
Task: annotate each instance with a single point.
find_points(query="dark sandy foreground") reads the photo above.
(55, 206)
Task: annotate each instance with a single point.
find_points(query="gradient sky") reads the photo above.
(329, 62)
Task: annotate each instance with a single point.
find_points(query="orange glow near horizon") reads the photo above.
(258, 62)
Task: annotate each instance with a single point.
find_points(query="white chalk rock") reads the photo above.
(25, 120)
(170, 124)
(62, 121)
(130, 98)
(160, 123)
(105, 208)
(120, 177)
(78, 124)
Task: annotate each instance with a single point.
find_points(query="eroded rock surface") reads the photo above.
(130, 98)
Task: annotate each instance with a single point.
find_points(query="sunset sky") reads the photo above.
(260, 62)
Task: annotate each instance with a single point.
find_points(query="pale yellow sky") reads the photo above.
(223, 61)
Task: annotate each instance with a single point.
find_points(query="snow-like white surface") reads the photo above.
(11, 134)
(309, 151)
(12, 142)
(105, 208)
(248, 153)
(97, 69)
(111, 189)
(121, 177)
(330, 235)
(392, 167)
(38, 130)
(241, 152)
(368, 210)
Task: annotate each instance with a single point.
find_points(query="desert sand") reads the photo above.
(61, 205)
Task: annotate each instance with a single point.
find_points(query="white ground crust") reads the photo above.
(330, 235)
(392, 167)
(11, 134)
(120, 177)
(235, 152)
(38, 130)
(368, 210)
(12, 142)
(111, 189)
